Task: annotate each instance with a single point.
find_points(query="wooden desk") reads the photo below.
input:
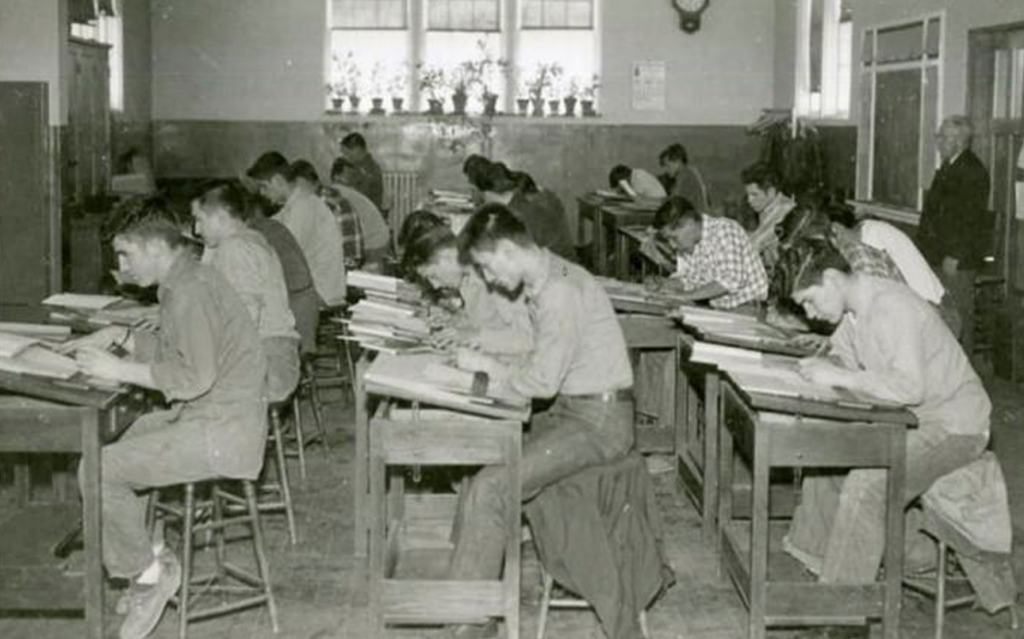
(628, 240)
(794, 439)
(588, 211)
(368, 395)
(613, 217)
(657, 333)
(68, 420)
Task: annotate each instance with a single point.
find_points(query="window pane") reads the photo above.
(463, 15)
(372, 63)
(574, 50)
(898, 44)
(368, 14)
(558, 14)
(448, 50)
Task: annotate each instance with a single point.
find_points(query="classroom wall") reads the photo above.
(960, 17)
(32, 47)
(263, 60)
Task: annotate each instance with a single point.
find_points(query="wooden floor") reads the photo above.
(320, 586)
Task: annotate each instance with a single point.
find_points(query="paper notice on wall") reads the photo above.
(1020, 185)
(649, 85)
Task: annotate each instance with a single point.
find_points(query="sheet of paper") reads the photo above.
(12, 345)
(36, 360)
(649, 85)
(81, 301)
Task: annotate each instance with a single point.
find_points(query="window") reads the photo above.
(379, 48)
(824, 58)
(901, 68)
(105, 26)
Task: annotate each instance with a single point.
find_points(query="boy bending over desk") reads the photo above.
(579, 358)
(892, 344)
(488, 319)
(208, 363)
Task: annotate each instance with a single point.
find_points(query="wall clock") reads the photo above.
(689, 13)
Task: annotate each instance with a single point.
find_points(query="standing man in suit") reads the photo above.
(954, 209)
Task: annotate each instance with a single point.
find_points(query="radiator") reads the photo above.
(401, 195)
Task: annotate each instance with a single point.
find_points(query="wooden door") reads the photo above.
(87, 164)
(29, 258)
(996, 106)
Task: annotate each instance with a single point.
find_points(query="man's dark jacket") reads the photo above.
(955, 221)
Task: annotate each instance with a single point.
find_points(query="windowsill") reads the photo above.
(829, 121)
(886, 212)
(469, 117)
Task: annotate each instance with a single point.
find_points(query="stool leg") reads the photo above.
(318, 417)
(545, 602)
(300, 437)
(940, 591)
(218, 531)
(186, 559)
(261, 556)
(282, 473)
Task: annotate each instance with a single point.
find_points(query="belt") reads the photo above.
(609, 397)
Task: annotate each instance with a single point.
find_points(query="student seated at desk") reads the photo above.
(251, 266)
(367, 178)
(376, 234)
(892, 344)
(541, 211)
(635, 183)
(714, 260)
(208, 363)
(684, 179)
(579, 359)
(771, 205)
(309, 220)
(487, 319)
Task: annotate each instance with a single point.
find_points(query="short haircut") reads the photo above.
(842, 214)
(230, 196)
(673, 212)
(489, 225)
(760, 174)
(417, 223)
(354, 141)
(339, 166)
(523, 182)
(303, 169)
(150, 218)
(675, 152)
(267, 166)
(496, 179)
(619, 173)
(961, 125)
(422, 248)
(803, 265)
(474, 163)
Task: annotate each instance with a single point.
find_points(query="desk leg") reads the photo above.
(759, 535)
(600, 257)
(621, 257)
(725, 470)
(360, 483)
(91, 533)
(712, 426)
(894, 533)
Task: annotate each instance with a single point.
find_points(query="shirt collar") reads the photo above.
(181, 267)
(546, 266)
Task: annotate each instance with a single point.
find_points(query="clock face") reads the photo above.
(691, 6)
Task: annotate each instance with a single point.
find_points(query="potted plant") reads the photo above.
(540, 83)
(462, 80)
(347, 76)
(397, 85)
(336, 93)
(571, 91)
(432, 83)
(589, 93)
(378, 79)
(523, 101)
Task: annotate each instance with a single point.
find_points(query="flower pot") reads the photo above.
(570, 107)
(396, 105)
(588, 108)
(553, 107)
(522, 104)
(459, 103)
(378, 106)
(490, 104)
(538, 107)
(354, 103)
(436, 107)
(337, 103)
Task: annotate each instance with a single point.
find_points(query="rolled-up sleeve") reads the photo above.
(186, 363)
(556, 338)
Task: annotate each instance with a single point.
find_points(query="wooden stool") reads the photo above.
(458, 440)
(340, 368)
(212, 517)
(281, 487)
(570, 603)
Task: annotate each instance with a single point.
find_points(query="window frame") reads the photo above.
(829, 59)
